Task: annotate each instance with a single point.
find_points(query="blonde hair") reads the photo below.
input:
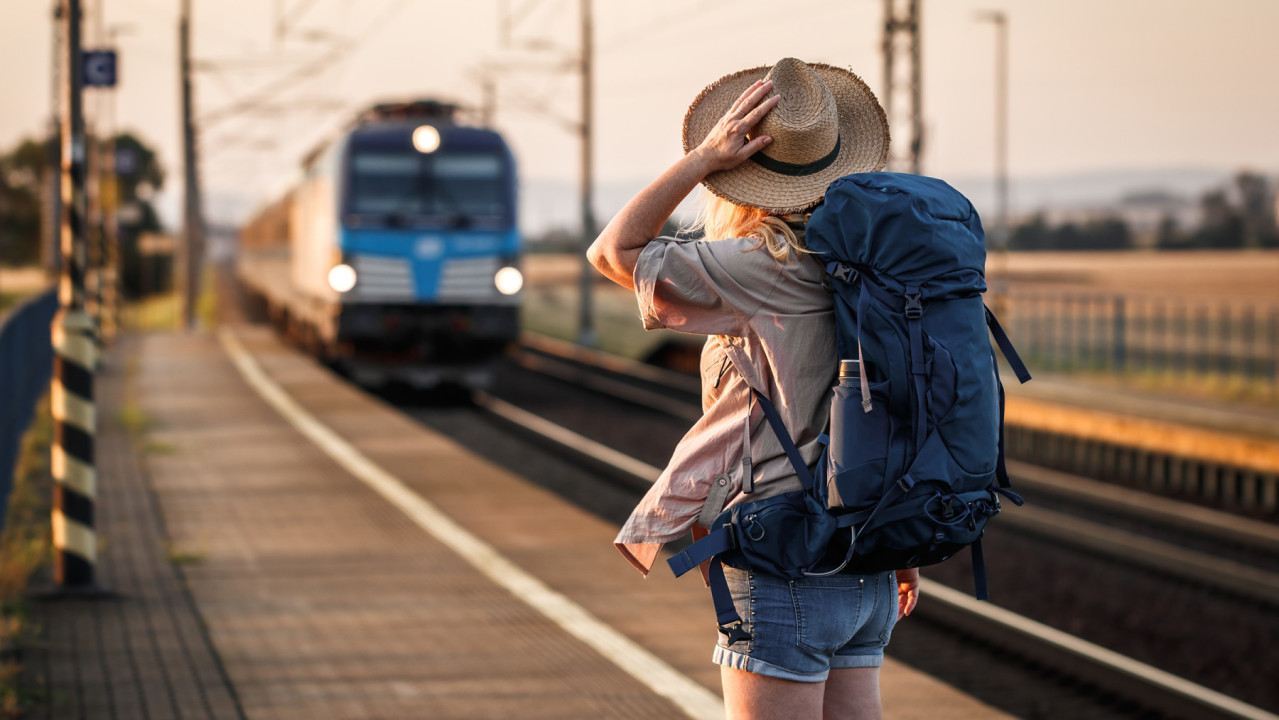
(720, 218)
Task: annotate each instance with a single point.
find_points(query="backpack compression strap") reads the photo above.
(914, 311)
(1023, 375)
(1006, 347)
(980, 589)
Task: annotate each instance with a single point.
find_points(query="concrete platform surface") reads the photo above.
(320, 598)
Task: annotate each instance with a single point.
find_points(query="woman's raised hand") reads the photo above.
(727, 145)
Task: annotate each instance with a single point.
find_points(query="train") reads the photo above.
(396, 256)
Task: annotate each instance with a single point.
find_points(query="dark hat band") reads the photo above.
(797, 169)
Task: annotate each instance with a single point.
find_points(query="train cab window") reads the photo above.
(410, 188)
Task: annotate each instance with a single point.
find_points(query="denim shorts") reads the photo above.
(800, 629)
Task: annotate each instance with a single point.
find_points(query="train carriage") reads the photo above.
(396, 257)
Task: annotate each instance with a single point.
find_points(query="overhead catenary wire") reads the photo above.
(313, 69)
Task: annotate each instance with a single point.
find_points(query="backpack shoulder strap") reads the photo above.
(788, 445)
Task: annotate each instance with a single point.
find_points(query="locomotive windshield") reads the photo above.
(393, 187)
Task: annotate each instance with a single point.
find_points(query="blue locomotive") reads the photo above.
(396, 256)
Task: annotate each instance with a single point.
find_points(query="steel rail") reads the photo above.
(1207, 522)
(1117, 673)
(581, 375)
(1237, 472)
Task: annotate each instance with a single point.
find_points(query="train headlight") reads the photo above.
(509, 280)
(426, 139)
(342, 278)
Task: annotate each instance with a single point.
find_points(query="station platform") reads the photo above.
(1118, 395)
(284, 545)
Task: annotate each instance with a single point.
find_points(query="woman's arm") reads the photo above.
(618, 247)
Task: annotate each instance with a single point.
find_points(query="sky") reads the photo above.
(1095, 85)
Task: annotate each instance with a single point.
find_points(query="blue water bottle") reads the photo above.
(858, 441)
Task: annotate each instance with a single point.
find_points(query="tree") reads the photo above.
(140, 176)
(1108, 233)
(1168, 235)
(1222, 226)
(21, 172)
(23, 175)
(1256, 210)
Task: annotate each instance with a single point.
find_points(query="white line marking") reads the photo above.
(938, 592)
(695, 700)
(568, 438)
(1095, 653)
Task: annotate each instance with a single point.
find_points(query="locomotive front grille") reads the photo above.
(383, 278)
(469, 279)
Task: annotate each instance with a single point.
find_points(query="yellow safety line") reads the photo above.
(1143, 434)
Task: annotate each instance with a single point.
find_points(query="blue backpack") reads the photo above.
(914, 466)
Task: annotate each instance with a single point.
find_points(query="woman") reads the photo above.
(766, 142)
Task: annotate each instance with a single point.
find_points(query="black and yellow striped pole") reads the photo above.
(75, 349)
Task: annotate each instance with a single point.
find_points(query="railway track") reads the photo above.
(1112, 604)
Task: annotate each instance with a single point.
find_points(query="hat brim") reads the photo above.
(863, 131)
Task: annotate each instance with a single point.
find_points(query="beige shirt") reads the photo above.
(771, 327)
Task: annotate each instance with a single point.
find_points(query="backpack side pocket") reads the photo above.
(858, 445)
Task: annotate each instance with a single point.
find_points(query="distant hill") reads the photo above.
(553, 203)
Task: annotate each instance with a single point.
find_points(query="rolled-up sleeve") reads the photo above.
(703, 287)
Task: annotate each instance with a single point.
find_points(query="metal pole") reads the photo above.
(1001, 124)
(193, 216)
(53, 212)
(586, 324)
(94, 240)
(1004, 230)
(916, 90)
(111, 238)
(71, 394)
(488, 102)
(886, 46)
(905, 20)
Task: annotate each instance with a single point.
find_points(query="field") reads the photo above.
(1208, 275)
(1194, 321)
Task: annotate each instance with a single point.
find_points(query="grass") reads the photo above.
(162, 312)
(206, 306)
(134, 420)
(182, 556)
(11, 299)
(153, 313)
(552, 310)
(1222, 388)
(159, 447)
(24, 551)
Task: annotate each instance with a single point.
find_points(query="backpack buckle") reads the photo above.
(733, 632)
(914, 306)
(839, 271)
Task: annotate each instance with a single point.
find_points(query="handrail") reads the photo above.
(26, 364)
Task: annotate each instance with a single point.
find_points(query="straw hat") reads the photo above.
(828, 124)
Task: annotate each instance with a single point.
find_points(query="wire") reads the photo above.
(311, 70)
(678, 20)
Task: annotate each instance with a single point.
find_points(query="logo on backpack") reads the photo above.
(914, 468)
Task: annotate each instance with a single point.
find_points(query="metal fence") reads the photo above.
(26, 363)
(1193, 338)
